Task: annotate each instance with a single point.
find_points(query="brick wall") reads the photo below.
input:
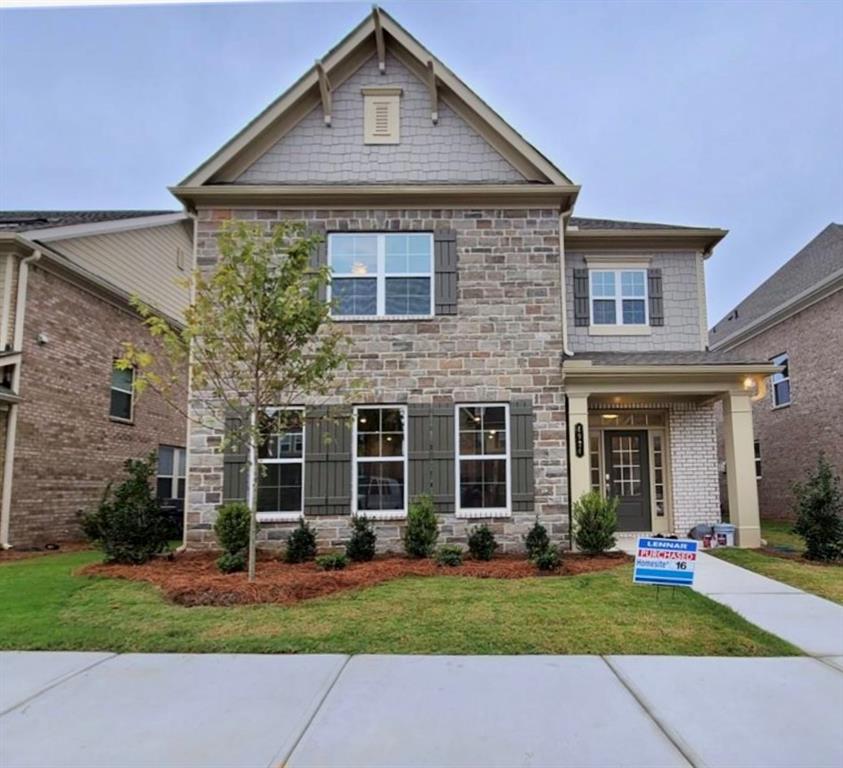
(792, 437)
(505, 342)
(684, 317)
(67, 447)
(693, 465)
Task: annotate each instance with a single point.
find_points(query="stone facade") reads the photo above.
(450, 151)
(791, 437)
(505, 342)
(684, 308)
(67, 447)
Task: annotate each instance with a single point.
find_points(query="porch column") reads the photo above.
(740, 469)
(579, 466)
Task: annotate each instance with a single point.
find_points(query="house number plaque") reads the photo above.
(579, 441)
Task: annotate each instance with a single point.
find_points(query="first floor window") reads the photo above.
(380, 458)
(381, 275)
(781, 381)
(122, 398)
(618, 296)
(171, 472)
(482, 459)
(281, 462)
(757, 459)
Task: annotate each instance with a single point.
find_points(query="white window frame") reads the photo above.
(286, 517)
(472, 513)
(382, 514)
(179, 470)
(130, 392)
(778, 378)
(618, 299)
(381, 276)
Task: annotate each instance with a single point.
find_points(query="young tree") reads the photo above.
(255, 338)
(819, 513)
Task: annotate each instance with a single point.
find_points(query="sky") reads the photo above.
(722, 114)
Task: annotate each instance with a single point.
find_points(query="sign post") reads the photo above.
(665, 562)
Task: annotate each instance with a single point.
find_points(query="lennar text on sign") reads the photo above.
(669, 562)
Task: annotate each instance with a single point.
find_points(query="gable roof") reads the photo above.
(375, 34)
(810, 275)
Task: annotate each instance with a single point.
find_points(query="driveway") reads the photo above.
(79, 709)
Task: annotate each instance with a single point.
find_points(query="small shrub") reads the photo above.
(230, 562)
(232, 527)
(301, 544)
(335, 561)
(361, 545)
(819, 513)
(536, 541)
(449, 555)
(549, 560)
(595, 522)
(128, 525)
(422, 528)
(481, 543)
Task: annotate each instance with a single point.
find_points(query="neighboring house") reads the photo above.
(514, 356)
(68, 419)
(794, 319)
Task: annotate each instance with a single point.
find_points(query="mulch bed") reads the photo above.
(193, 579)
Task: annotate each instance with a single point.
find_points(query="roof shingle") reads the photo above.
(28, 221)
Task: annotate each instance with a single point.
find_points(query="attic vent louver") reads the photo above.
(381, 116)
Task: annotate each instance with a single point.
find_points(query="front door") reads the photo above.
(628, 477)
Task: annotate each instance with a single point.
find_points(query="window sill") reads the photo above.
(380, 318)
(386, 515)
(781, 405)
(619, 330)
(279, 517)
(118, 420)
(476, 514)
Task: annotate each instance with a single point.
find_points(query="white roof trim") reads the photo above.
(103, 227)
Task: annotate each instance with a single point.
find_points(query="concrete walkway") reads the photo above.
(809, 622)
(223, 711)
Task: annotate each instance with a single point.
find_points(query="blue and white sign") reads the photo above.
(669, 562)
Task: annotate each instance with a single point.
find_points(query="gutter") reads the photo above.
(12, 418)
(563, 289)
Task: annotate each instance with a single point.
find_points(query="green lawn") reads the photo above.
(779, 535)
(46, 606)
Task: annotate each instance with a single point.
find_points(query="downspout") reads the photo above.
(563, 215)
(12, 420)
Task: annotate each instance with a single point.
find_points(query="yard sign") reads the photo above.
(668, 562)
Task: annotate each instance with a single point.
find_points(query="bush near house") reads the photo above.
(232, 532)
(481, 543)
(819, 513)
(361, 545)
(536, 541)
(128, 525)
(422, 528)
(548, 560)
(301, 544)
(335, 561)
(449, 555)
(595, 522)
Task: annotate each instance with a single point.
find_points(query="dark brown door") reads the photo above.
(628, 477)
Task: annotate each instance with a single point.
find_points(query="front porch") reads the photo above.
(643, 427)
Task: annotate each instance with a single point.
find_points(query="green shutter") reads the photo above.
(655, 296)
(327, 463)
(521, 428)
(445, 272)
(581, 311)
(442, 459)
(235, 460)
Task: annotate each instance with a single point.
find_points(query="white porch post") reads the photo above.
(740, 469)
(579, 466)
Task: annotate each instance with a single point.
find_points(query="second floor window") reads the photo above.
(122, 398)
(781, 381)
(381, 275)
(618, 296)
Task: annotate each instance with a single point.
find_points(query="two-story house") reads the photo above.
(514, 356)
(795, 320)
(68, 418)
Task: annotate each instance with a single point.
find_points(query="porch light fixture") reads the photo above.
(610, 416)
(758, 384)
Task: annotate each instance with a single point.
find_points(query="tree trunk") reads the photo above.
(253, 498)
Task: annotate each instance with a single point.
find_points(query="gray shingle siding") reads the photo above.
(450, 152)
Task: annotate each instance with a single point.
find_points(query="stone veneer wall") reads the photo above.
(693, 466)
(504, 343)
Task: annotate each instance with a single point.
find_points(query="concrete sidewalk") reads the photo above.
(809, 622)
(186, 711)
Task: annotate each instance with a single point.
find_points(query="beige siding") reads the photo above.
(140, 261)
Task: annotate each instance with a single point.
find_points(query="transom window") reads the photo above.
(381, 275)
(483, 485)
(380, 461)
(618, 297)
(781, 381)
(281, 464)
(171, 472)
(122, 397)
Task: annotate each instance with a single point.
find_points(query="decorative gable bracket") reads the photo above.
(325, 91)
(434, 94)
